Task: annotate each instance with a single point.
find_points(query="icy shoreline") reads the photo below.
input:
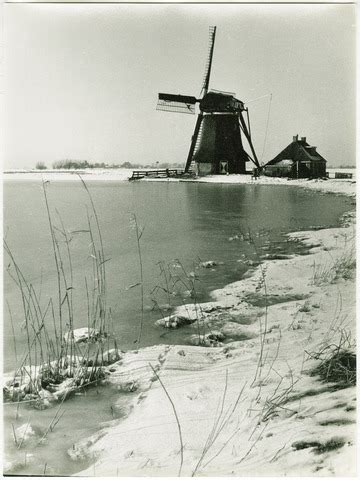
(241, 414)
(121, 174)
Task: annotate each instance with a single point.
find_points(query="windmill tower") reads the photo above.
(216, 145)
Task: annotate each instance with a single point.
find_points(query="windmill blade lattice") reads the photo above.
(176, 103)
(206, 80)
(194, 139)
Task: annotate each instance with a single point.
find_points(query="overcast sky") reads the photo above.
(82, 80)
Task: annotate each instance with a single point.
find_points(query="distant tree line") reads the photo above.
(340, 166)
(155, 166)
(76, 164)
(40, 166)
(84, 164)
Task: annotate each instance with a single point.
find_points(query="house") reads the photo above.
(297, 160)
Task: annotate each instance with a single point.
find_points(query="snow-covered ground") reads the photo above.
(116, 174)
(341, 186)
(250, 407)
(336, 186)
(122, 174)
(332, 171)
(330, 185)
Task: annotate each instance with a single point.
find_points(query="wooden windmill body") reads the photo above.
(216, 144)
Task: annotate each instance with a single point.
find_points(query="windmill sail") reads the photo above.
(206, 80)
(205, 87)
(176, 103)
(193, 142)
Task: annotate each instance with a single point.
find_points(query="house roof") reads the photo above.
(298, 150)
(282, 163)
(315, 157)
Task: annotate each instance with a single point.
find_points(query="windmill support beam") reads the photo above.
(248, 138)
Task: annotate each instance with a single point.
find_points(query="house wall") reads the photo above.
(302, 169)
(278, 171)
(318, 169)
(312, 168)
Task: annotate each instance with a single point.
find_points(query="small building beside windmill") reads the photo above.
(298, 160)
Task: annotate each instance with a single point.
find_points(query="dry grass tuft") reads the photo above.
(338, 367)
(320, 447)
(342, 268)
(337, 362)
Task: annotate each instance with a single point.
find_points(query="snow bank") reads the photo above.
(346, 187)
(250, 407)
(113, 174)
(340, 186)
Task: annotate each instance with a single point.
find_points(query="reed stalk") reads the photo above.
(138, 233)
(176, 418)
(47, 354)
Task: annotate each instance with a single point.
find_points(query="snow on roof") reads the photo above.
(295, 150)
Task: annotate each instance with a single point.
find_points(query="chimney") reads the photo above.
(303, 139)
(295, 138)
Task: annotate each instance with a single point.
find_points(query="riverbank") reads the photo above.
(255, 406)
(114, 174)
(340, 186)
(233, 314)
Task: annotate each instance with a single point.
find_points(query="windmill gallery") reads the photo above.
(223, 122)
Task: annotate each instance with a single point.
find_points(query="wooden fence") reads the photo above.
(164, 173)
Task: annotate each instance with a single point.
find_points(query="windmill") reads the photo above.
(216, 145)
